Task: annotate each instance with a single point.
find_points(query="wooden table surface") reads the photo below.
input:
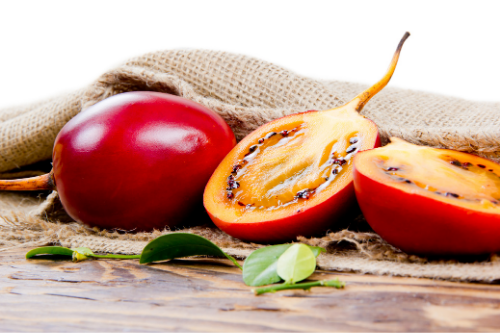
(209, 295)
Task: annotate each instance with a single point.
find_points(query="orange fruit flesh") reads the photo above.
(445, 175)
(288, 165)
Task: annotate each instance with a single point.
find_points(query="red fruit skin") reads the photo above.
(420, 225)
(138, 160)
(310, 221)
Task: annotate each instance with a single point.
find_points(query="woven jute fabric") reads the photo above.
(25, 222)
(247, 93)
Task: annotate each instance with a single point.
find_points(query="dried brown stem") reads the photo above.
(43, 182)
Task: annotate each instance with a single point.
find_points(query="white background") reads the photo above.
(49, 47)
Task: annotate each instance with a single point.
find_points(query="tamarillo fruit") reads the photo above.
(134, 161)
(293, 176)
(430, 201)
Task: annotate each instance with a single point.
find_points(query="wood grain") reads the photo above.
(209, 295)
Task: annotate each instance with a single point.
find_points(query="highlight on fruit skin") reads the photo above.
(293, 176)
(430, 201)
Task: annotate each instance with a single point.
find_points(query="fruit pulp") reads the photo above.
(300, 162)
(444, 175)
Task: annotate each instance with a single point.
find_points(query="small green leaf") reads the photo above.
(54, 250)
(180, 245)
(81, 253)
(296, 264)
(260, 267)
(84, 251)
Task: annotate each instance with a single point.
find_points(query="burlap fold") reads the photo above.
(247, 93)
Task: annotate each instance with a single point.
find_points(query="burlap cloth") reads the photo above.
(247, 93)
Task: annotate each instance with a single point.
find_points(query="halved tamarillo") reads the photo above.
(135, 161)
(430, 201)
(293, 176)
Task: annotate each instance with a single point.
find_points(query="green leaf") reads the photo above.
(84, 251)
(260, 267)
(296, 264)
(54, 250)
(180, 245)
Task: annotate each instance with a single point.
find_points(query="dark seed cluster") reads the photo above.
(353, 140)
(339, 161)
(304, 194)
(466, 165)
(236, 168)
(392, 169)
(231, 185)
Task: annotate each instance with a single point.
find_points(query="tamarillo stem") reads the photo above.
(366, 95)
(43, 182)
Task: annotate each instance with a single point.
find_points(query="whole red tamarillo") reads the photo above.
(135, 161)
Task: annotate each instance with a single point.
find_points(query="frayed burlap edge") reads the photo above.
(347, 251)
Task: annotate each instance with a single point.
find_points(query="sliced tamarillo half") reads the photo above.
(430, 201)
(293, 176)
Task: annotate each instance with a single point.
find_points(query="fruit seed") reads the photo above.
(270, 135)
(351, 149)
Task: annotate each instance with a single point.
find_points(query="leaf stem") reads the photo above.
(117, 256)
(305, 286)
(233, 260)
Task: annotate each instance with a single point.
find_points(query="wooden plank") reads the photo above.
(209, 295)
